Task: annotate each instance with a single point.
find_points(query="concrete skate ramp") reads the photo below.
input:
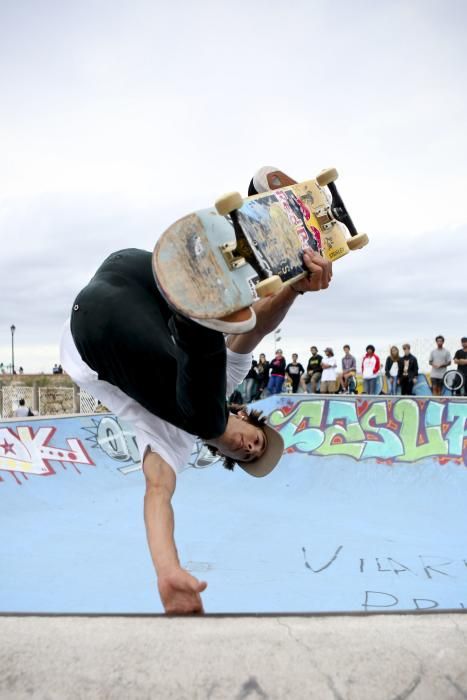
(365, 513)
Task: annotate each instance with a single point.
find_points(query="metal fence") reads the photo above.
(87, 403)
(12, 396)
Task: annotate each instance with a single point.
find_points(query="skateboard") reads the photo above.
(218, 261)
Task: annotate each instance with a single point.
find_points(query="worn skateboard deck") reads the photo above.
(208, 265)
(192, 272)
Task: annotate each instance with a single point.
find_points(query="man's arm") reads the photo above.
(448, 361)
(179, 591)
(271, 310)
(458, 360)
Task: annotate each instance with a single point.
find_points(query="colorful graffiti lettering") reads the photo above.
(115, 439)
(29, 451)
(403, 430)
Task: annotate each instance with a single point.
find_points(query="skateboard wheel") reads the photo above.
(358, 241)
(228, 203)
(327, 176)
(269, 286)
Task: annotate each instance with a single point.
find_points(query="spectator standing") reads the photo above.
(251, 382)
(408, 371)
(314, 370)
(349, 368)
(329, 375)
(277, 376)
(22, 411)
(460, 359)
(294, 370)
(370, 370)
(262, 370)
(440, 359)
(391, 370)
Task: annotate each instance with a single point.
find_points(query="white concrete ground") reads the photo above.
(384, 657)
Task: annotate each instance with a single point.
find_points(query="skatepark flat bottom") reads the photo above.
(365, 513)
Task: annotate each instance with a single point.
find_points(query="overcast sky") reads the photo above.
(117, 118)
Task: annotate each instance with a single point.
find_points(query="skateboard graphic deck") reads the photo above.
(217, 261)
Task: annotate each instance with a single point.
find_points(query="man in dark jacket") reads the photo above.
(313, 370)
(408, 371)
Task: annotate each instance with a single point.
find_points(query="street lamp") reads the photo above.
(12, 329)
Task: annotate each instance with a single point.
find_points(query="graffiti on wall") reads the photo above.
(401, 430)
(38, 448)
(118, 442)
(30, 450)
(115, 439)
(387, 430)
(384, 570)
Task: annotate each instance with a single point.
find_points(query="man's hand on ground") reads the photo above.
(180, 592)
(320, 274)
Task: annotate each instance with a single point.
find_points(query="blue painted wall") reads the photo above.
(366, 511)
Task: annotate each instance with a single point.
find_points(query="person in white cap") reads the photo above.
(169, 377)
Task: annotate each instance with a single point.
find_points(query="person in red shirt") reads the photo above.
(370, 370)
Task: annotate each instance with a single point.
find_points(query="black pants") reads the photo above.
(295, 383)
(463, 391)
(406, 384)
(126, 332)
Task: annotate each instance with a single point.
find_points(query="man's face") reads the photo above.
(439, 342)
(464, 344)
(313, 351)
(245, 441)
(347, 350)
(406, 349)
(294, 357)
(370, 351)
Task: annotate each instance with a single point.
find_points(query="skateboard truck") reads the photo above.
(233, 260)
(337, 211)
(238, 253)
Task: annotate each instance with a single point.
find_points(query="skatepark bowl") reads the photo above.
(365, 514)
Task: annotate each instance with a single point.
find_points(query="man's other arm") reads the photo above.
(271, 310)
(179, 591)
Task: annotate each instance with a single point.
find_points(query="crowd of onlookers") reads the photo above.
(322, 374)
